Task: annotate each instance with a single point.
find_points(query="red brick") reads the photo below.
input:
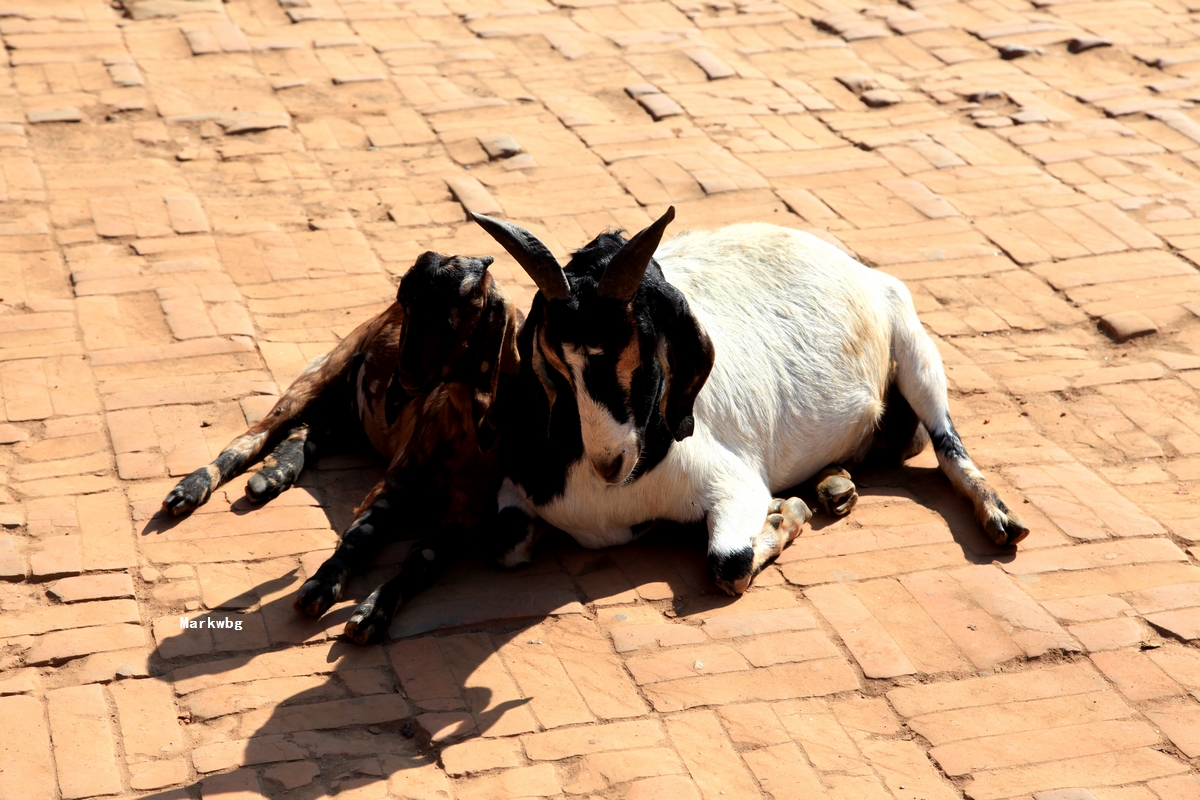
(148, 718)
(874, 649)
(540, 676)
(241, 784)
(1039, 746)
(26, 770)
(596, 672)
(634, 637)
(52, 618)
(158, 774)
(975, 632)
(1032, 685)
(244, 753)
(780, 648)
(1135, 675)
(1099, 770)
(665, 787)
(536, 781)
(805, 679)
(26, 395)
(556, 745)
(685, 662)
(84, 746)
(753, 724)
(423, 673)
(906, 770)
(480, 755)
(923, 642)
(759, 622)
(784, 773)
(62, 645)
(294, 661)
(710, 757)
(1109, 634)
(1182, 787)
(427, 782)
(448, 726)
(492, 696)
(1019, 716)
(1180, 721)
(1181, 663)
(321, 716)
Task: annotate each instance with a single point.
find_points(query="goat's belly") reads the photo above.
(598, 515)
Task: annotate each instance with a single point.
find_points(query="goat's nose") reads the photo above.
(609, 470)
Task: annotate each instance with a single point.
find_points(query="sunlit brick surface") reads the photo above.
(198, 197)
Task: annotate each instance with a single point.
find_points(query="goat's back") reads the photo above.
(803, 343)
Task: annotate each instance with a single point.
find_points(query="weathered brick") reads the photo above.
(710, 757)
(805, 679)
(556, 745)
(480, 755)
(25, 767)
(84, 746)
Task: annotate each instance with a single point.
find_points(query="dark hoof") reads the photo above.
(1005, 529)
(266, 485)
(837, 495)
(317, 595)
(191, 492)
(370, 620)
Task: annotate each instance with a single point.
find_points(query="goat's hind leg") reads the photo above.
(922, 380)
(285, 419)
(194, 490)
(282, 467)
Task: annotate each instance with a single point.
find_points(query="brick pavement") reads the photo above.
(200, 196)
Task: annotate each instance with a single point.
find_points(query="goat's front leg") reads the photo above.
(515, 530)
(425, 560)
(397, 502)
(741, 543)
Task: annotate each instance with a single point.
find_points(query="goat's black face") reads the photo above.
(612, 329)
(607, 351)
(444, 298)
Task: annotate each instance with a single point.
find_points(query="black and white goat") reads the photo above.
(419, 382)
(697, 378)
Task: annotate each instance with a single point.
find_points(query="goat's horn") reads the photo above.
(533, 256)
(624, 272)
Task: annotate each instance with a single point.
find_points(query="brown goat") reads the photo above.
(419, 381)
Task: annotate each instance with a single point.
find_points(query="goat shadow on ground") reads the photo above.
(666, 566)
(349, 755)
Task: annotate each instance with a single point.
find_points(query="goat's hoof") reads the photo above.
(792, 512)
(266, 485)
(370, 620)
(191, 492)
(1004, 528)
(317, 595)
(836, 492)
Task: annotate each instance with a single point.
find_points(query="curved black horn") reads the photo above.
(533, 256)
(624, 273)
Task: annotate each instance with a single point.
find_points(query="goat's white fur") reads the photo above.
(805, 341)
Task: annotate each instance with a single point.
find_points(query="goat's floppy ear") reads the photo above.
(497, 349)
(624, 272)
(533, 256)
(689, 359)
